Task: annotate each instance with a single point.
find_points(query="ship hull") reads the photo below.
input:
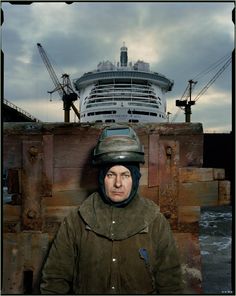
(123, 114)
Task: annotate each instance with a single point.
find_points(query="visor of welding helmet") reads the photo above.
(118, 144)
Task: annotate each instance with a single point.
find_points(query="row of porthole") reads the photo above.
(101, 113)
(130, 104)
(129, 112)
(113, 120)
(145, 113)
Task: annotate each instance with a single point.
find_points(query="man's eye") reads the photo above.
(126, 176)
(109, 175)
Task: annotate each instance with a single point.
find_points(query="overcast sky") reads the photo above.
(179, 40)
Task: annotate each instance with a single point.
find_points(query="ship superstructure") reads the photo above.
(123, 92)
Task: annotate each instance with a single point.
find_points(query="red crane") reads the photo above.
(64, 89)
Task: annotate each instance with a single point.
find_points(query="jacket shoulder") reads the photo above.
(152, 208)
(150, 205)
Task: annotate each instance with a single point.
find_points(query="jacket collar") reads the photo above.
(117, 223)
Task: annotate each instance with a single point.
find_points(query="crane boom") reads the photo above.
(57, 84)
(65, 89)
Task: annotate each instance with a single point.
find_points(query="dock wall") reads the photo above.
(48, 172)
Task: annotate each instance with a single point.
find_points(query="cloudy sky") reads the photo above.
(180, 40)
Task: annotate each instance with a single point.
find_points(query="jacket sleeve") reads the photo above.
(168, 273)
(57, 273)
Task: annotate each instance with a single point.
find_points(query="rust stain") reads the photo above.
(31, 186)
(47, 166)
(153, 160)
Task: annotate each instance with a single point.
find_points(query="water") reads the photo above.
(216, 249)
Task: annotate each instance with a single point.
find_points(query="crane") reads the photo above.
(64, 89)
(186, 104)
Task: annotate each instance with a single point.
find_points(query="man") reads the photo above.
(116, 242)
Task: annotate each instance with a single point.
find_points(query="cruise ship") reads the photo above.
(124, 92)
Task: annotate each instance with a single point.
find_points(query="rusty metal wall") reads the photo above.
(48, 168)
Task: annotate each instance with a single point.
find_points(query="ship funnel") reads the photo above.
(123, 55)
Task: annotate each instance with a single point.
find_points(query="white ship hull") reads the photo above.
(122, 115)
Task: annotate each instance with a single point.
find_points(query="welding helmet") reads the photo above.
(118, 144)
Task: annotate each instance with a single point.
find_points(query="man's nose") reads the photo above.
(118, 182)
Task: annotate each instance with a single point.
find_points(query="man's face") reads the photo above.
(118, 183)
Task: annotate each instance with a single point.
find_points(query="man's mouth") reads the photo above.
(117, 192)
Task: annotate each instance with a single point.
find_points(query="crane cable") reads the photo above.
(203, 73)
(183, 95)
(212, 67)
(176, 114)
(213, 79)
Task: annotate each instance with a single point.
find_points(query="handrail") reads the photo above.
(6, 102)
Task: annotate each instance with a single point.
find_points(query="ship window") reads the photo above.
(142, 113)
(110, 120)
(91, 114)
(133, 120)
(98, 121)
(138, 112)
(144, 105)
(105, 112)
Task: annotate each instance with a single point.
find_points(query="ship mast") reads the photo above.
(123, 55)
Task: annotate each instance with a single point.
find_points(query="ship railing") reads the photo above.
(120, 97)
(113, 101)
(118, 90)
(121, 85)
(127, 74)
(123, 94)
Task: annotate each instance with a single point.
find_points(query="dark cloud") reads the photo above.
(11, 38)
(184, 38)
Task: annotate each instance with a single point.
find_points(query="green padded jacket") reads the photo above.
(101, 249)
